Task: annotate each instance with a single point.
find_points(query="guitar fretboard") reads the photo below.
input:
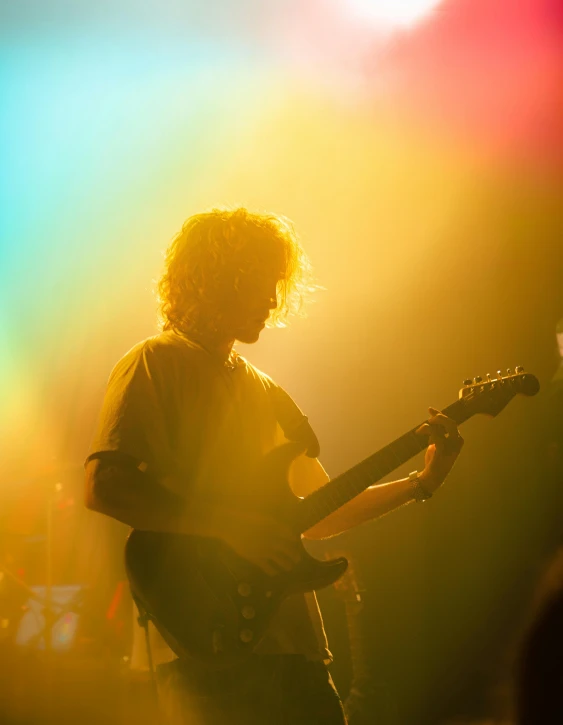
(346, 486)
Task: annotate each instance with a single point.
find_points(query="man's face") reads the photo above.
(255, 296)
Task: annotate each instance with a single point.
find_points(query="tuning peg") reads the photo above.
(508, 371)
(488, 377)
(499, 374)
(478, 379)
(467, 382)
(519, 369)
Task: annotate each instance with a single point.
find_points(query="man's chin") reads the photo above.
(248, 337)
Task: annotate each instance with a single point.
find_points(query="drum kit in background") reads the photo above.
(62, 586)
(65, 607)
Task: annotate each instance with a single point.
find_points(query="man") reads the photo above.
(185, 419)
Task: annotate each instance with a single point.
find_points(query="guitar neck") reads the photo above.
(345, 487)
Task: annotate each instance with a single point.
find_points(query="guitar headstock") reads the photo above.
(491, 395)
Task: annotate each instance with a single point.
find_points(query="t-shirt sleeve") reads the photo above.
(306, 473)
(135, 415)
(293, 421)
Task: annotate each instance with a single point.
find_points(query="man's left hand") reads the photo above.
(444, 448)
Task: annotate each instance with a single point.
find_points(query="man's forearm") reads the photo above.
(373, 503)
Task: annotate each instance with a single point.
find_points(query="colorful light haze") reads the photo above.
(398, 13)
(421, 167)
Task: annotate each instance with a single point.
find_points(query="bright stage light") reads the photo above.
(393, 12)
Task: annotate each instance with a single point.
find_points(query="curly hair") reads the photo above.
(209, 254)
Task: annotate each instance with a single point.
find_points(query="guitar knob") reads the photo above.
(246, 635)
(467, 382)
(519, 369)
(244, 589)
(248, 612)
(478, 379)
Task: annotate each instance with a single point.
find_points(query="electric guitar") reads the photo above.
(212, 605)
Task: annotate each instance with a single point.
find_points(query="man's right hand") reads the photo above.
(261, 540)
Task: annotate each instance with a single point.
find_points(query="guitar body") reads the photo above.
(209, 603)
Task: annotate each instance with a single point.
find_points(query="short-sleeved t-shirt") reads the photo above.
(185, 416)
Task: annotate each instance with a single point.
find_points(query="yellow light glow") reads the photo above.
(393, 12)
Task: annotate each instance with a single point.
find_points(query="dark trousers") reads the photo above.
(265, 690)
